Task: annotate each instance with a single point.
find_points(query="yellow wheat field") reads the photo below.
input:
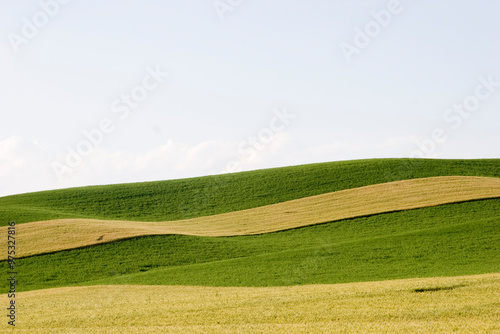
(469, 304)
(49, 236)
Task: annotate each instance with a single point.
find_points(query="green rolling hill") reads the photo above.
(197, 197)
(445, 240)
(448, 240)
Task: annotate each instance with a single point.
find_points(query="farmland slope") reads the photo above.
(210, 195)
(49, 236)
(447, 240)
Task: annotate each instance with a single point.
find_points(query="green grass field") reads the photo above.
(196, 197)
(299, 274)
(453, 239)
(45, 237)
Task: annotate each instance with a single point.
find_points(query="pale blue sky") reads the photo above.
(226, 79)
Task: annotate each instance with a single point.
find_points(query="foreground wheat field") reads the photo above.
(49, 236)
(467, 304)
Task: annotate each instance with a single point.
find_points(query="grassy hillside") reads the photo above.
(286, 281)
(448, 240)
(39, 237)
(436, 305)
(196, 197)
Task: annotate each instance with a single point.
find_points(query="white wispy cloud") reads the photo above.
(23, 159)
(20, 165)
(25, 164)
